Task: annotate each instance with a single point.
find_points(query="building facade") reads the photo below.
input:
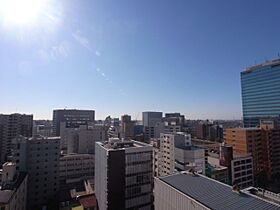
(242, 171)
(11, 126)
(248, 141)
(13, 188)
(153, 124)
(127, 127)
(123, 175)
(73, 118)
(260, 85)
(74, 169)
(82, 139)
(39, 157)
(176, 153)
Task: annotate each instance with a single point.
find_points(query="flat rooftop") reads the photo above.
(274, 62)
(116, 143)
(216, 195)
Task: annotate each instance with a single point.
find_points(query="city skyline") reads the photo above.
(128, 57)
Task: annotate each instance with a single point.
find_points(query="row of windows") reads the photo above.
(259, 75)
(263, 110)
(254, 81)
(262, 106)
(272, 102)
(254, 84)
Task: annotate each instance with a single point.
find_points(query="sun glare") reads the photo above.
(21, 11)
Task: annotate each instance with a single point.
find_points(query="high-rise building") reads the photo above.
(123, 174)
(74, 169)
(10, 126)
(176, 153)
(261, 92)
(271, 148)
(39, 157)
(247, 141)
(262, 143)
(127, 127)
(42, 127)
(153, 124)
(82, 139)
(173, 122)
(73, 118)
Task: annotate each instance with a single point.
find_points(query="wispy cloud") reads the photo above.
(82, 40)
(107, 79)
(60, 51)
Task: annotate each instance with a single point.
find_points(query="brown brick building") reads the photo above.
(262, 143)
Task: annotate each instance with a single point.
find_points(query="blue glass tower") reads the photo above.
(260, 86)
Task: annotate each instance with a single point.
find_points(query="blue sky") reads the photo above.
(130, 56)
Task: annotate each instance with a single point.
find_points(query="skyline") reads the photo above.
(127, 57)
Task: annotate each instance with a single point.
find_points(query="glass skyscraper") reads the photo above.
(260, 86)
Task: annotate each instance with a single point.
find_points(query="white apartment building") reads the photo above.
(242, 171)
(176, 153)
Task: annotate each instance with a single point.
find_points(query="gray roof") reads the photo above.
(216, 195)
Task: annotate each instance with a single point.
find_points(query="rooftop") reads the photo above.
(266, 63)
(216, 195)
(116, 143)
(7, 191)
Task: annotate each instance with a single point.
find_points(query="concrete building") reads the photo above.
(39, 157)
(10, 126)
(173, 122)
(263, 144)
(271, 147)
(247, 141)
(123, 175)
(209, 130)
(82, 139)
(216, 171)
(261, 92)
(13, 188)
(127, 127)
(42, 127)
(74, 169)
(153, 124)
(114, 132)
(242, 171)
(176, 153)
(197, 192)
(73, 118)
